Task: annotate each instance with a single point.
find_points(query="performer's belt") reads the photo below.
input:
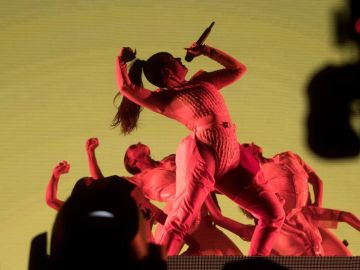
(209, 122)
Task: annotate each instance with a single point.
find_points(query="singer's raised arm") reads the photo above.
(233, 70)
(133, 92)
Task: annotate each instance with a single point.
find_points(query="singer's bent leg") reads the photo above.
(260, 200)
(194, 182)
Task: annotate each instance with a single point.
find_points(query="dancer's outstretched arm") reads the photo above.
(333, 215)
(243, 231)
(350, 219)
(51, 190)
(94, 169)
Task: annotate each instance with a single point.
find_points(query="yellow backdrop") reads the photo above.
(57, 84)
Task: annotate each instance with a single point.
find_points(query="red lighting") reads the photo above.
(357, 26)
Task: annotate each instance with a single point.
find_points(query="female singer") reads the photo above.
(209, 152)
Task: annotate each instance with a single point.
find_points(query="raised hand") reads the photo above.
(91, 144)
(62, 168)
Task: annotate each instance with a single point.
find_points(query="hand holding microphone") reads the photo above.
(196, 47)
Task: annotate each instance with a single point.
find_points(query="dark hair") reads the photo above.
(153, 68)
(128, 112)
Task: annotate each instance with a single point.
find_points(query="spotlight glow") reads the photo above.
(102, 214)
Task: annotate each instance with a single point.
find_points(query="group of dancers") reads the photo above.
(211, 161)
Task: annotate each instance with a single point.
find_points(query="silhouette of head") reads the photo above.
(98, 226)
(161, 67)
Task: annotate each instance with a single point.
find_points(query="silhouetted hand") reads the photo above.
(195, 49)
(126, 55)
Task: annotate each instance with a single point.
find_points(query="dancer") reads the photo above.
(287, 171)
(209, 152)
(156, 180)
(63, 167)
(149, 211)
(303, 232)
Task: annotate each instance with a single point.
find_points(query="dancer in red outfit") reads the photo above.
(209, 152)
(302, 233)
(157, 181)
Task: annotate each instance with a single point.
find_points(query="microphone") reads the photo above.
(189, 56)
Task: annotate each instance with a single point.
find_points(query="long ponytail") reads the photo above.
(128, 112)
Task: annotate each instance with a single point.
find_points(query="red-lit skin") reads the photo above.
(200, 181)
(203, 231)
(51, 191)
(155, 214)
(139, 156)
(302, 215)
(54, 202)
(90, 146)
(96, 175)
(311, 176)
(51, 198)
(143, 203)
(139, 242)
(63, 167)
